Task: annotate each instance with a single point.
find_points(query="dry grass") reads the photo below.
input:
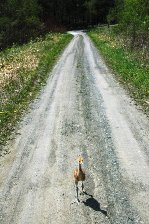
(27, 59)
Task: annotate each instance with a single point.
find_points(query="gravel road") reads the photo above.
(82, 110)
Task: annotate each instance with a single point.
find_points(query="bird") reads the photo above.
(79, 175)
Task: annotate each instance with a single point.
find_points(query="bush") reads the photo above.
(133, 19)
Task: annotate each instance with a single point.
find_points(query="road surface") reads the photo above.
(81, 110)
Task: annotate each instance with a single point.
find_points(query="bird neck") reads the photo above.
(80, 167)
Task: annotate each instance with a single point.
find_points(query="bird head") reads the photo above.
(80, 159)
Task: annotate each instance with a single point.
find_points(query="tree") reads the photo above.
(19, 21)
(134, 20)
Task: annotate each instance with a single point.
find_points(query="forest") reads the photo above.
(22, 20)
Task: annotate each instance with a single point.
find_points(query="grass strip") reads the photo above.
(131, 71)
(24, 70)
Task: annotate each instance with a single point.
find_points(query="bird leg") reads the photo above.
(82, 187)
(77, 190)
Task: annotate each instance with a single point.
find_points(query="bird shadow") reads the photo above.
(94, 204)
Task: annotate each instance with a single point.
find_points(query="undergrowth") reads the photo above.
(131, 69)
(23, 71)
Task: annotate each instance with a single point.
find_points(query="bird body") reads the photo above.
(79, 174)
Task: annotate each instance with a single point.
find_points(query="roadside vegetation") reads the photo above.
(132, 17)
(23, 71)
(129, 66)
(125, 46)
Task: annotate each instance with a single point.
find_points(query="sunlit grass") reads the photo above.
(132, 71)
(23, 71)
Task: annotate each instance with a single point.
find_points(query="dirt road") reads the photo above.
(81, 110)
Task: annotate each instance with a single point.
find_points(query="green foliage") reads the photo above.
(24, 70)
(22, 20)
(133, 19)
(115, 12)
(132, 71)
(97, 10)
(19, 21)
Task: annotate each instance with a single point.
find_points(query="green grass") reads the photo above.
(130, 69)
(23, 72)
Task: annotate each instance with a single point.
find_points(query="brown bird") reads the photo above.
(79, 175)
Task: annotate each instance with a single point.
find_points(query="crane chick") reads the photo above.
(79, 175)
